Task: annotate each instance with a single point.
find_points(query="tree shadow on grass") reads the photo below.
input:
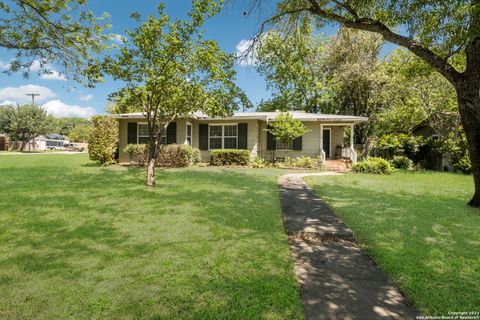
(421, 240)
(78, 224)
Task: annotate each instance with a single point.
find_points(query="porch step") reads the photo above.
(338, 165)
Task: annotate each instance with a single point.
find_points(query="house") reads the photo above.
(41, 143)
(247, 130)
(430, 157)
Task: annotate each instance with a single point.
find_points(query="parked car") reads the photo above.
(75, 147)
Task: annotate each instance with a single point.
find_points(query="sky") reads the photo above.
(66, 98)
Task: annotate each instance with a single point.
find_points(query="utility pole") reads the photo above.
(33, 95)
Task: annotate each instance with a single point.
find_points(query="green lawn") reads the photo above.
(83, 242)
(419, 229)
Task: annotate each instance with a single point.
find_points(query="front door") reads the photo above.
(326, 142)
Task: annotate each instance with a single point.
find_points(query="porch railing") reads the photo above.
(322, 156)
(349, 153)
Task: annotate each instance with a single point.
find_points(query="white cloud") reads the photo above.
(7, 103)
(19, 94)
(118, 38)
(245, 54)
(60, 109)
(86, 97)
(53, 75)
(4, 65)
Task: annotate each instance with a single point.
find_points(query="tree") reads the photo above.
(435, 31)
(285, 129)
(64, 126)
(24, 123)
(45, 31)
(293, 67)
(413, 94)
(103, 139)
(170, 71)
(80, 133)
(338, 75)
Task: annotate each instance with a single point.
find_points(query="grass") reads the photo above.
(419, 229)
(79, 241)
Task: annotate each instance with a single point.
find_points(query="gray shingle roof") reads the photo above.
(266, 116)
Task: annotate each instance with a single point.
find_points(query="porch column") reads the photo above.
(322, 158)
(351, 135)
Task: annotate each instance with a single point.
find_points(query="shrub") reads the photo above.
(174, 156)
(196, 157)
(305, 162)
(138, 153)
(103, 139)
(399, 144)
(225, 157)
(402, 162)
(259, 162)
(373, 165)
(463, 165)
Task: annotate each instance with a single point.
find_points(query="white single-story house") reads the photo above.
(42, 143)
(247, 130)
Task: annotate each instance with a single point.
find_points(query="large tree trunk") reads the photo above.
(468, 94)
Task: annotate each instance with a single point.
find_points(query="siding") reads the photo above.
(257, 138)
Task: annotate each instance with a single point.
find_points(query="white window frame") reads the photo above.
(222, 136)
(139, 136)
(191, 133)
(138, 131)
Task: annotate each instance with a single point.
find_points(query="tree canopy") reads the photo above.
(45, 31)
(25, 122)
(438, 32)
(170, 71)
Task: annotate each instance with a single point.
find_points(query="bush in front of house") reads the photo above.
(196, 156)
(227, 157)
(373, 165)
(103, 138)
(402, 162)
(259, 162)
(305, 162)
(174, 156)
(138, 154)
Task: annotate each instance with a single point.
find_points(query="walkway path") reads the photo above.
(337, 279)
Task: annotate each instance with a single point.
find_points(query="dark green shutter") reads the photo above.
(271, 142)
(172, 133)
(297, 144)
(242, 135)
(203, 136)
(132, 133)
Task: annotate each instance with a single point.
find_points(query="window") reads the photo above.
(143, 135)
(189, 134)
(284, 146)
(223, 136)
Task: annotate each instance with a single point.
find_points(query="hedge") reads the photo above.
(225, 157)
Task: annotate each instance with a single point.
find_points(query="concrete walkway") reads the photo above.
(337, 279)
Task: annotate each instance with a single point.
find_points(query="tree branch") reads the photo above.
(372, 25)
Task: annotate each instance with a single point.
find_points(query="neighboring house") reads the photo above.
(41, 143)
(247, 130)
(429, 157)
